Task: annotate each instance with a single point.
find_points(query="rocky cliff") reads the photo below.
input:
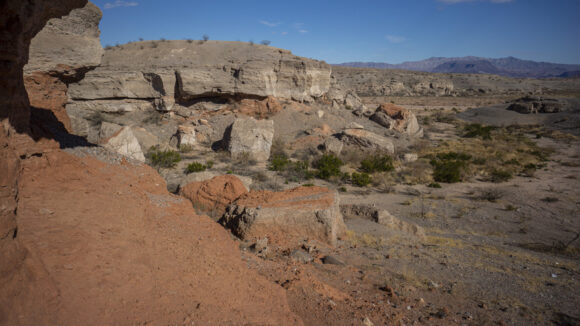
(162, 73)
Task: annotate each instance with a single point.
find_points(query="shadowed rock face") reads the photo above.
(19, 22)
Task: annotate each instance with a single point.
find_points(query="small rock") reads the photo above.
(331, 260)
(301, 257)
(354, 125)
(367, 322)
(410, 157)
(320, 113)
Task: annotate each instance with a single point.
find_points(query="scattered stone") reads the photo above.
(354, 125)
(530, 104)
(320, 114)
(397, 118)
(332, 260)
(367, 139)
(301, 256)
(410, 157)
(367, 322)
(333, 145)
(186, 135)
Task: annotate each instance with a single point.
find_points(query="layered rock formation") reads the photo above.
(251, 139)
(173, 75)
(287, 217)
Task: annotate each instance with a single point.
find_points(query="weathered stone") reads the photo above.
(69, 45)
(397, 118)
(333, 145)
(364, 138)
(385, 218)
(410, 157)
(107, 130)
(125, 143)
(288, 216)
(214, 195)
(250, 138)
(186, 135)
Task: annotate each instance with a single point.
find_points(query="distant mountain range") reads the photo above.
(510, 66)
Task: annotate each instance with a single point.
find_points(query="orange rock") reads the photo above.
(214, 195)
(260, 109)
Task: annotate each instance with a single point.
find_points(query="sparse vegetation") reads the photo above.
(265, 42)
(477, 130)
(205, 37)
(361, 179)
(377, 163)
(328, 166)
(449, 167)
(195, 167)
(163, 158)
(498, 176)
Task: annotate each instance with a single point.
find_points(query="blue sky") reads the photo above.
(340, 31)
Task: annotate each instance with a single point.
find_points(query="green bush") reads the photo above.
(477, 130)
(500, 176)
(449, 167)
(328, 166)
(434, 185)
(278, 162)
(448, 171)
(163, 159)
(360, 179)
(377, 163)
(195, 167)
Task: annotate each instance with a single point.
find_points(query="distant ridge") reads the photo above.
(510, 66)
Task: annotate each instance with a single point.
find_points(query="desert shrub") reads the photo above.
(209, 164)
(513, 161)
(185, 148)
(277, 147)
(478, 161)
(449, 167)
(377, 163)
(500, 175)
(163, 158)
(243, 160)
(308, 185)
(489, 194)
(476, 130)
(189, 40)
(550, 199)
(205, 37)
(447, 171)
(434, 185)
(278, 162)
(444, 118)
(360, 179)
(265, 42)
(195, 167)
(328, 166)
(342, 189)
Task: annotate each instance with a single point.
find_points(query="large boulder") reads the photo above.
(532, 104)
(397, 118)
(125, 143)
(214, 195)
(367, 139)
(287, 217)
(251, 139)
